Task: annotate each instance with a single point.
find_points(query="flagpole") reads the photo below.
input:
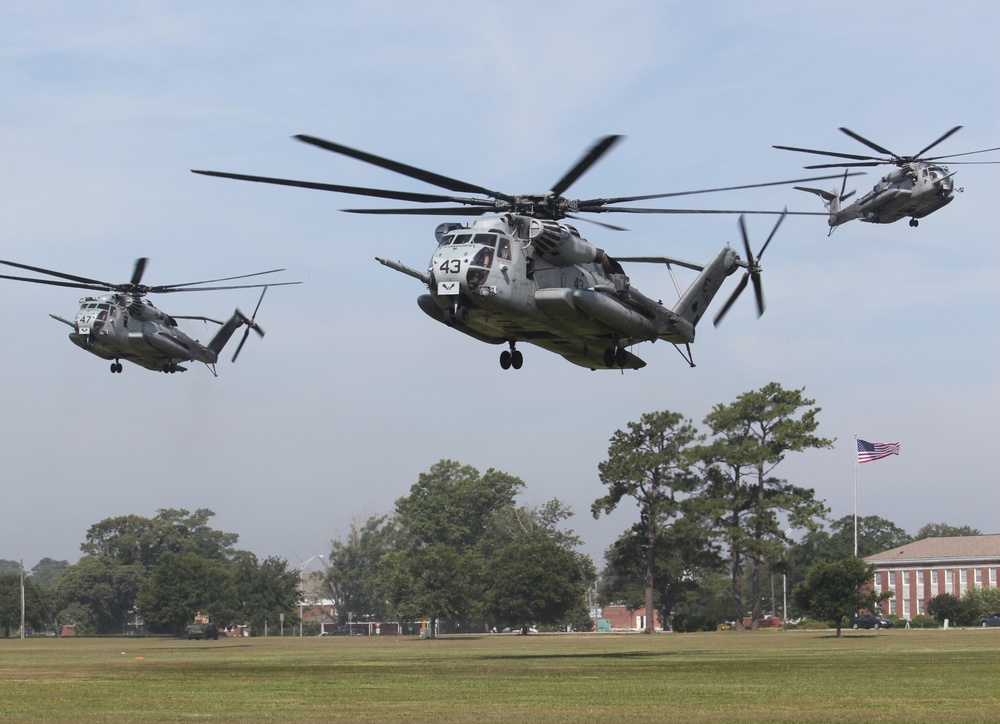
(855, 495)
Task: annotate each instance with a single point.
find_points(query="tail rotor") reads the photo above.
(251, 324)
(753, 271)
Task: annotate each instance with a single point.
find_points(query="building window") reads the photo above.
(977, 575)
(934, 581)
(993, 577)
(963, 581)
(949, 581)
(920, 606)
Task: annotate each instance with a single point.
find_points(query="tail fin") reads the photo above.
(699, 295)
(831, 200)
(225, 333)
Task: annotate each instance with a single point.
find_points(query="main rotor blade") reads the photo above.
(968, 153)
(163, 287)
(60, 275)
(168, 290)
(337, 188)
(588, 160)
(871, 144)
(436, 211)
(918, 154)
(624, 199)
(859, 164)
(633, 210)
(825, 153)
(602, 224)
(140, 268)
(54, 283)
(401, 168)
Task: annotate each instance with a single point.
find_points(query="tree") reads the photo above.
(183, 584)
(833, 590)
(943, 530)
(132, 539)
(650, 463)
(684, 556)
(102, 586)
(45, 571)
(352, 575)
(263, 591)
(751, 437)
(435, 580)
(10, 603)
(532, 573)
(435, 569)
(978, 603)
(875, 535)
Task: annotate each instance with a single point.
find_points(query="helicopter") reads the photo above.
(918, 187)
(520, 275)
(125, 325)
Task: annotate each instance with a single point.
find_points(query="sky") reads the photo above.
(106, 106)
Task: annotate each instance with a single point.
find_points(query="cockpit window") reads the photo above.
(455, 239)
(486, 239)
(503, 248)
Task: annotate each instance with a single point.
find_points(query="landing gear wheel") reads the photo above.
(462, 316)
(116, 367)
(621, 356)
(914, 222)
(609, 357)
(511, 358)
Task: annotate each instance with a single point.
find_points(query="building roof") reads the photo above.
(941, 549)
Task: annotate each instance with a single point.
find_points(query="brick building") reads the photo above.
(923, 569)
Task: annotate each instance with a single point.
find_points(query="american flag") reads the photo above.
(869, 451)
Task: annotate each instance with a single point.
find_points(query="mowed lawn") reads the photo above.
(898, 676)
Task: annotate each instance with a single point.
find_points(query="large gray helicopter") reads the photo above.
(521, 275)
(125, 325)
(919, 186)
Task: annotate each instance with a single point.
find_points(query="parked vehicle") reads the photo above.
(992, 620)
(202, 631)
(870, 620)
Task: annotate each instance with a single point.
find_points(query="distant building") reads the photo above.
(621, 618)
(926, 568)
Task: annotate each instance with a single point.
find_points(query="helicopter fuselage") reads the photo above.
(514, 278)
(912, 191)
(119, 326)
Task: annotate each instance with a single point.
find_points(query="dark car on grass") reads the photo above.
(870, 620)
(202, 631)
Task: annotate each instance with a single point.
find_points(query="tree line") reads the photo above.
(715, 526)
(160, 571)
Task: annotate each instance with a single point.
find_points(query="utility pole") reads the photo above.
(22, 598)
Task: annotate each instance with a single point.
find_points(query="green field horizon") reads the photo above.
(795, 676)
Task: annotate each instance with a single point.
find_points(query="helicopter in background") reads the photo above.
(125, 325)
(519, 275)
(918, 187)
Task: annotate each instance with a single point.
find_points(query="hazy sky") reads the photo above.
(106, 106)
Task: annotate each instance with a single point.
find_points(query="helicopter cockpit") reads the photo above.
(93, 315)
(484, 246)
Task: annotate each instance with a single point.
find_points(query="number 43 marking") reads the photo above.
(451, 266)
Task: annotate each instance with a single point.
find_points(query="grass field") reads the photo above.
(898, 676)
